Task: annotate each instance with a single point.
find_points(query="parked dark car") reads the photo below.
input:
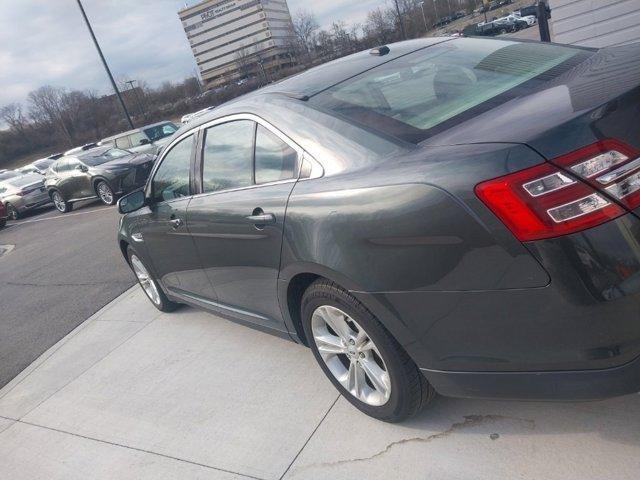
(23, 193)
(3, 215)
(458, 216)
(490, 29)
(531, 10)
(101, 172)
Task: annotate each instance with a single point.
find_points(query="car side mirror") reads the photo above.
(82, 168)
(145, 141)
(132, 202)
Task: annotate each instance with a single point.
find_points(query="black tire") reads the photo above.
(12, 212)
(410, 390)
(163, 303)
(61, 205)
(3, 223)
(107, 196)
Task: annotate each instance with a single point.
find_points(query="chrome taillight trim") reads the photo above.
(619, 172)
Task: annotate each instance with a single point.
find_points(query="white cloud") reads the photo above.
(46, 42)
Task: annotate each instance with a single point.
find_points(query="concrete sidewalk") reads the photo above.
(136, 394)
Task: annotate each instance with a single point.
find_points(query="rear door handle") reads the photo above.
(262, 219)
(176, 223)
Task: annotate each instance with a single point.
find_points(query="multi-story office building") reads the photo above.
(232, 39)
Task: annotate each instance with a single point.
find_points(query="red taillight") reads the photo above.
(580, 192)
(547, 212)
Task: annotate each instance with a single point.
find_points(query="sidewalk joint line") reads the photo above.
(150, 452)
(310, 437)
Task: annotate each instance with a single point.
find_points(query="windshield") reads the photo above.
(160, 131)
(43, 164)
(7, 175)
(105, 157)
(24, 180)
(411, 95)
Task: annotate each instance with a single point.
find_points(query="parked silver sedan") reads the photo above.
(23, 193)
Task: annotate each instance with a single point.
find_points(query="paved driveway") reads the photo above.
(58, 271)
(134, 394)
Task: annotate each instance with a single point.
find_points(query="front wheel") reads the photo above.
(105, 193)
(360, 357)
(12, 212)
(60, 203)
(149, 284)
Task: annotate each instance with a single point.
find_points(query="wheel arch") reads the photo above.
(297, 279)
(97, 179)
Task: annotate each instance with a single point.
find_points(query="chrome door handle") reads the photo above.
(262, 219)
(176, 223)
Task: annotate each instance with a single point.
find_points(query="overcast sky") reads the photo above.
(45, 42)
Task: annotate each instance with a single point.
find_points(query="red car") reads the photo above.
(3, 215)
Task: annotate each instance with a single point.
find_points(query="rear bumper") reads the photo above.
(562, 385)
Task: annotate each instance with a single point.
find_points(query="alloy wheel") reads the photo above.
(12, 212)
(105, 193)
(351, 355)
(58, 201)
(146, 282)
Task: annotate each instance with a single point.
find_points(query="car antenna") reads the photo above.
(380, 51)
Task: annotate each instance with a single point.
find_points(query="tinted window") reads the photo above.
(228, 156)
(172, 177)
(160, 131)
(275, 160)
(136, 138)
(123, 142)
(408, 96)
(61, 166)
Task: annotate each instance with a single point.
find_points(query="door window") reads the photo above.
(275, 160)
(171, 180)
(228, 156)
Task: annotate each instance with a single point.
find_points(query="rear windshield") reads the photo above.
(427, 91)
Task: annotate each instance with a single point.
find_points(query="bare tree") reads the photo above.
(305, 27)
(244, 62)
(379, 26)
(47, 106)
(12, 115)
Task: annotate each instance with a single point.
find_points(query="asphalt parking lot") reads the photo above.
(57, 271)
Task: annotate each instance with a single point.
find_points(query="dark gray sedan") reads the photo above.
(458, 216)
(101, 172)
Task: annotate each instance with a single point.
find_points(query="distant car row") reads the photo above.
(513, 22)
(103, 170)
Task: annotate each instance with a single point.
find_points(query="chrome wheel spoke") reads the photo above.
(145, 280)
(355, 380)
(378, 377)
(337, 321)
(329, 344)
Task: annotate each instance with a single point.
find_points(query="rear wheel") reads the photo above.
(360, 357)
(60, 203)
(3, 223)
(149, 284)
(105, 193)
(12, 212)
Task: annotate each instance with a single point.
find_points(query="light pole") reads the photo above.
(404, 35)
(424, 17)
(106, 67)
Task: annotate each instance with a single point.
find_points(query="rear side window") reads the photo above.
(136, 139)
(411, 96)
(228, 156)
(275, 160)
